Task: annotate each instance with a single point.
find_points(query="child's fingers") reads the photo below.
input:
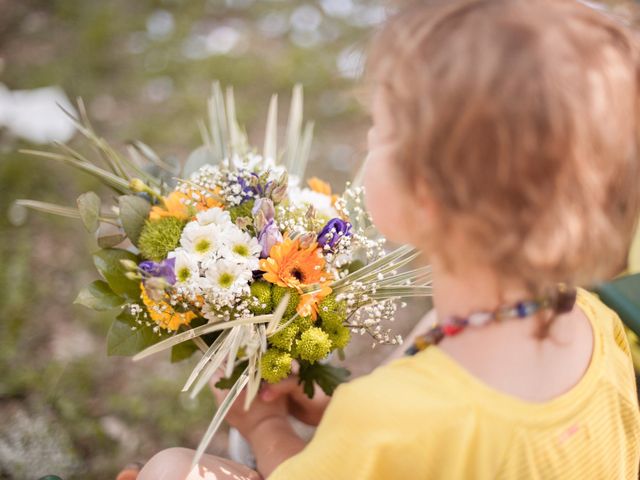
(270, 392)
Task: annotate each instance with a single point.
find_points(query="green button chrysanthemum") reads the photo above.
(261, 302)
(275, 365)
(332, 312)
(242, 210)
(303, 323)
(278, 293)
(159, 237)
(313, 345)
(340, 337)
(285, 337)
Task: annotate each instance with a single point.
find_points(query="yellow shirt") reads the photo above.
(425, 417)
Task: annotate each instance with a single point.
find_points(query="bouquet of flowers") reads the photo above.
(232, 255)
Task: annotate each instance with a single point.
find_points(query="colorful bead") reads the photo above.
(451, 329)
(480, 318)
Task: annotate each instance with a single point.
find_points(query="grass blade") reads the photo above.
(271, 130)
(294, 125)
(224, 407)
(208, 354)
(198, 332)
(278, 313)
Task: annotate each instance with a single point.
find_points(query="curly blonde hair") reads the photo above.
(521, 118)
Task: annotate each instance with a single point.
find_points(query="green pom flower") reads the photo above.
(303, 323)
(285, 337)
(332, 312)
(260, 303)
(313, 345)
(278, 292)
(275, 365)
(340, 337)
(242, 210)
(159, 237)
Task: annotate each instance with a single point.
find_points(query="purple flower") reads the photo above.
(164, 269)
(269, 236)
(333, 231)
(251, 188)
(265, 206)
(263, 212)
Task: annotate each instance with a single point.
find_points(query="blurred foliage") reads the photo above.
(144, 69)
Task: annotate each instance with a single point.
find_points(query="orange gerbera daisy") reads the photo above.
(181, 205)
(174, 205)
(291, 266)
(164, 314)
(320, 186)
(308, 305)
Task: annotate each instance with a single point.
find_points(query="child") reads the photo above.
(505, 145)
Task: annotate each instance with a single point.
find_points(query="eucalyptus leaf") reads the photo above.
(111, 240)
(134, 211)
(126, 337)
(108, 263)
(89, 208)
(98, 296)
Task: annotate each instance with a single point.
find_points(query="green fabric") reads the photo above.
(623, 296)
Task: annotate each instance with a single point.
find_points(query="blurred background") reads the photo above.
(144, 70)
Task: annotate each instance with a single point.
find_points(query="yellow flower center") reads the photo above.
(241, 250)
(183, 274)
(203, 245)
(225, 280)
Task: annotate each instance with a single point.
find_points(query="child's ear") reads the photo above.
(424, 213)
(427, 206)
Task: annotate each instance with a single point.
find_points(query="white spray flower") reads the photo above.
(202, 241)
(186, 269)
(214, 216)
(227, 275)
(241, 247)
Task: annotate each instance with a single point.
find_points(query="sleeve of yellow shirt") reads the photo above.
(392, 424)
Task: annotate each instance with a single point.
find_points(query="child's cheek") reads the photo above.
(384, 199)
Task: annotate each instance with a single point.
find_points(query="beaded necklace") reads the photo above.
(560, 300)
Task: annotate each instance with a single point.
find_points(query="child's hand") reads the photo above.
(305, 409)
(248, 421)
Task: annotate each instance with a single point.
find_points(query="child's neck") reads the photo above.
(472, 289)
(506, 355)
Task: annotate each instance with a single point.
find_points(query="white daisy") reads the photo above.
(186, 268)
(214, 216)
(241, 247)
(201, 241)
(227, 275)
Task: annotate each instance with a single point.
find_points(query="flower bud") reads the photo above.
(129, 264)
(137, 185)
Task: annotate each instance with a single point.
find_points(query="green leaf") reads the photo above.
(110, 241)
(98, 296)
(89, 207)
(108, 263)
(126, 337)
(228, 382)
(182, 351)
(326, 376)
(134, 211)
